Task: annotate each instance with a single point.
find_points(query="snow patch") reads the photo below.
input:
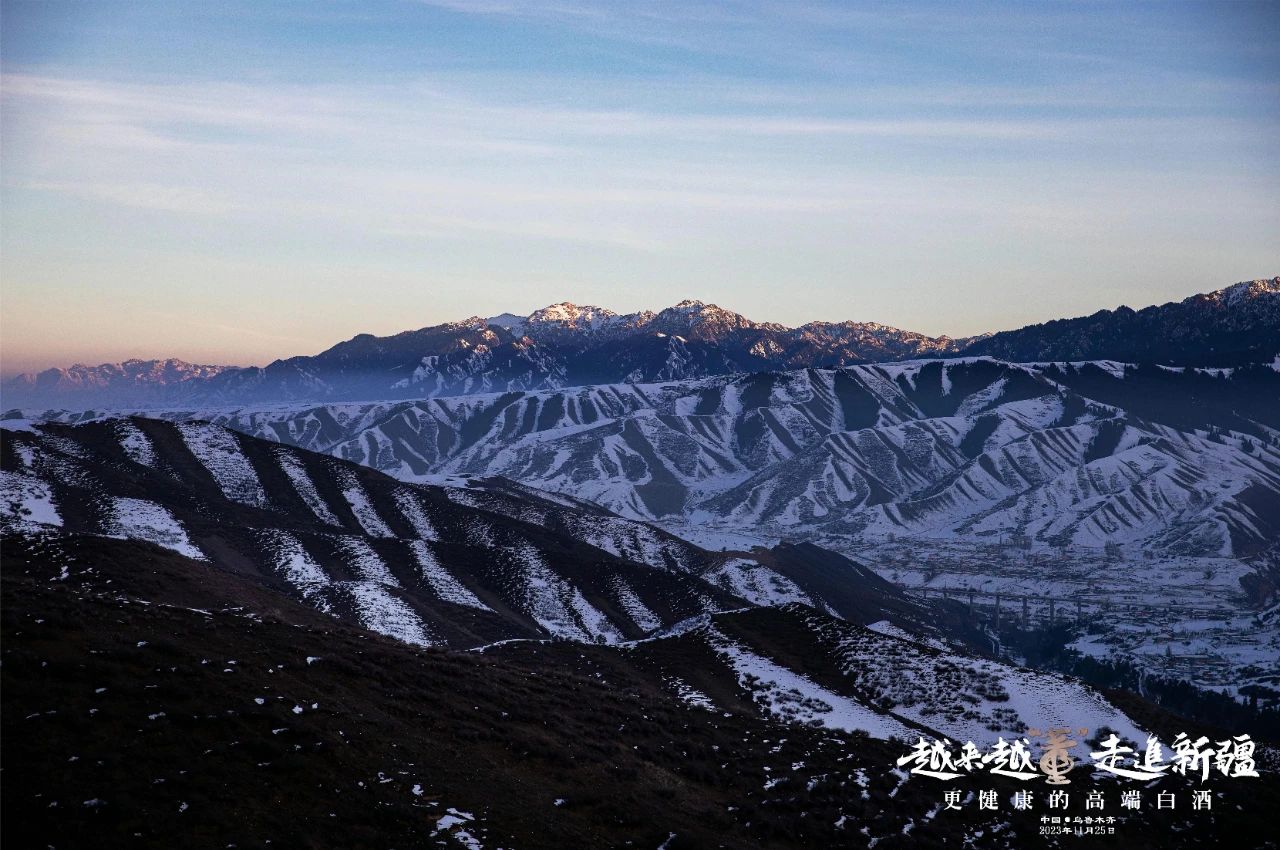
(757, 583)
(305, 487)
(363, 509)
(412, 510)
(445, 585)
(797, 699)
(136, 445)
(386, 614)
(218, 450)
(642, 615)
(298, 567)
(26, 502)
(139, 519)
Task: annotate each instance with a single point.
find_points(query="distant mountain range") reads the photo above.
(567, 345)
(132, 380)
(1169, 460)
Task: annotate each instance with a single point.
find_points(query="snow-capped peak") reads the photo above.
(1245, 290)
(568, 315)
(709, 320)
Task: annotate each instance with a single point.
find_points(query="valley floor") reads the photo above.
(1178, 617)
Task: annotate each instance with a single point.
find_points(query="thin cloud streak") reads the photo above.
(250, 108)
(155, 115)
(373, 182)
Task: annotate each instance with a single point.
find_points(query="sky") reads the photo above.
(234, 182)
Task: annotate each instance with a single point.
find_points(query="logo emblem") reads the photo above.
(1056, 761)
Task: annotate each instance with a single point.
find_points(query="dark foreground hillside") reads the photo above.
(152, 701)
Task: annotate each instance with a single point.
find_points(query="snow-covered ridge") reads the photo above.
(1054, 453)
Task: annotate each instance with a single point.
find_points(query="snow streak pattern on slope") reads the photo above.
(479, 566)
(382, 612)
(364, 511)
(639, 613)
(557, 606)
(378, 608)
(365, 562)
(218, 450)
(445, 585)
(305, 487)
(298, 567)
(412, 510)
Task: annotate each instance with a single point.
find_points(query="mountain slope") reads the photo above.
(213, 639)
(1229, 327)
(436, 567)
(418, 563)
(152, 702)
(1166, 461)
(428, 565)
(149, 700)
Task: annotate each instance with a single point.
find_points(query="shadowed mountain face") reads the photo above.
(1230, 327)
(567, 345)
(157, 701)
(1170, 461)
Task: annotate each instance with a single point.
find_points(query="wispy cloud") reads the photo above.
(153, 115)
(302, 110)
(149, 196)
(246, 106)
(444, 163)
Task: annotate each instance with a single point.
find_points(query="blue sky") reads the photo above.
(233, 182)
